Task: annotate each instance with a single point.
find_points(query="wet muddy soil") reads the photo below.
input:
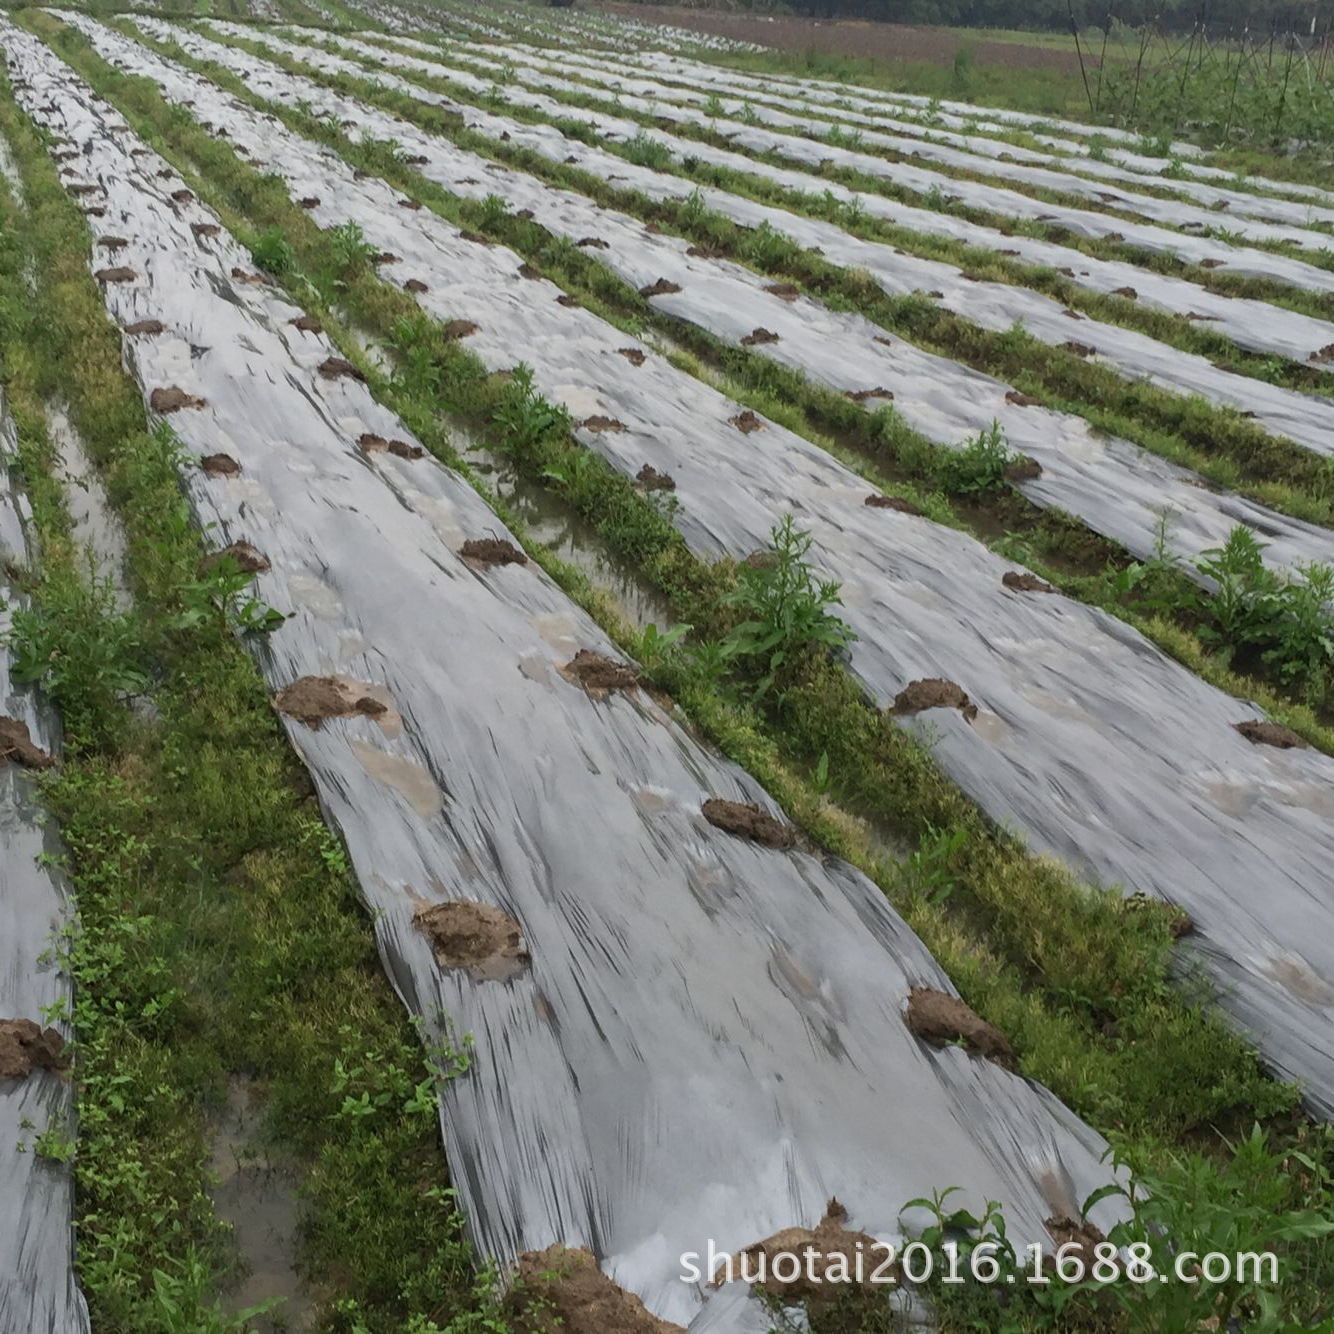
(255, 1192)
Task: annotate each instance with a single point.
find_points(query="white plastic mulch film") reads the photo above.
(1252, 324)
(1089, 740)
(708, 1040)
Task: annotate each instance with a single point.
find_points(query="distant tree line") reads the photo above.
(1179, 15)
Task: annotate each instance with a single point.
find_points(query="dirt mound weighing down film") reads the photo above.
(933, 693)
(939, 1018)
(313, 699)
(801, 1263)
(220, 465)
(477, 937)
(651, 479)
(248, 558)
(25, 1046)
(1270, 734)
(598, 673)
(1023, 582)
(563, 1289)
(748, 821)
(879, 502)
(172, 399)
(492, 551)
(17, 745)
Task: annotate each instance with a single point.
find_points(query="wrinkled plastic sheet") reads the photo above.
(37, 1286)
(1119, 490)
(709, 1041)
(970, 152)
(1255, 325)
(1170, 234)
(1089, 741)
(851, 104)
(1306, 419)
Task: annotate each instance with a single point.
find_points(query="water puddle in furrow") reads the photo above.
(96, 528)
(256, 1195)
(551, 522)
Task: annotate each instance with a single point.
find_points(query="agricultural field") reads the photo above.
(620, 652)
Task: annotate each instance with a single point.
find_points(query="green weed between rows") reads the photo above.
(219, 933)
(1168, 607)
(1078, 982)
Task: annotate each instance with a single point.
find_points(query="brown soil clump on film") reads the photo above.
(17, 745)
(563, 1288)
(879, 502)
(824, 1263)
(1017, 400)
(748, 821)
(248, 558)
(377, 444)
(476, 937)
(119, 274)
(25, 1046)
(220, 465)
(172, 399)
(651, 479)
(489, 551)
(598, 673)
(145, 327)
(332, 368)
(933, 693)
(783, 291)
(938, 1018)
(759, 336)
(661, 288)
(459, 329)
(307, 324)
(746, 422)
(1270, 734)
(1023, 582)
(112, 242)
(313, 699)
(632, 354)
(601, 425)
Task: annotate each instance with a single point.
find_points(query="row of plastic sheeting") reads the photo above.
(37, 1285)
(701, 1036)
(1203, 206)
(1255, 325)
(1306, 419)
(1134, 497)
(1086, 739)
